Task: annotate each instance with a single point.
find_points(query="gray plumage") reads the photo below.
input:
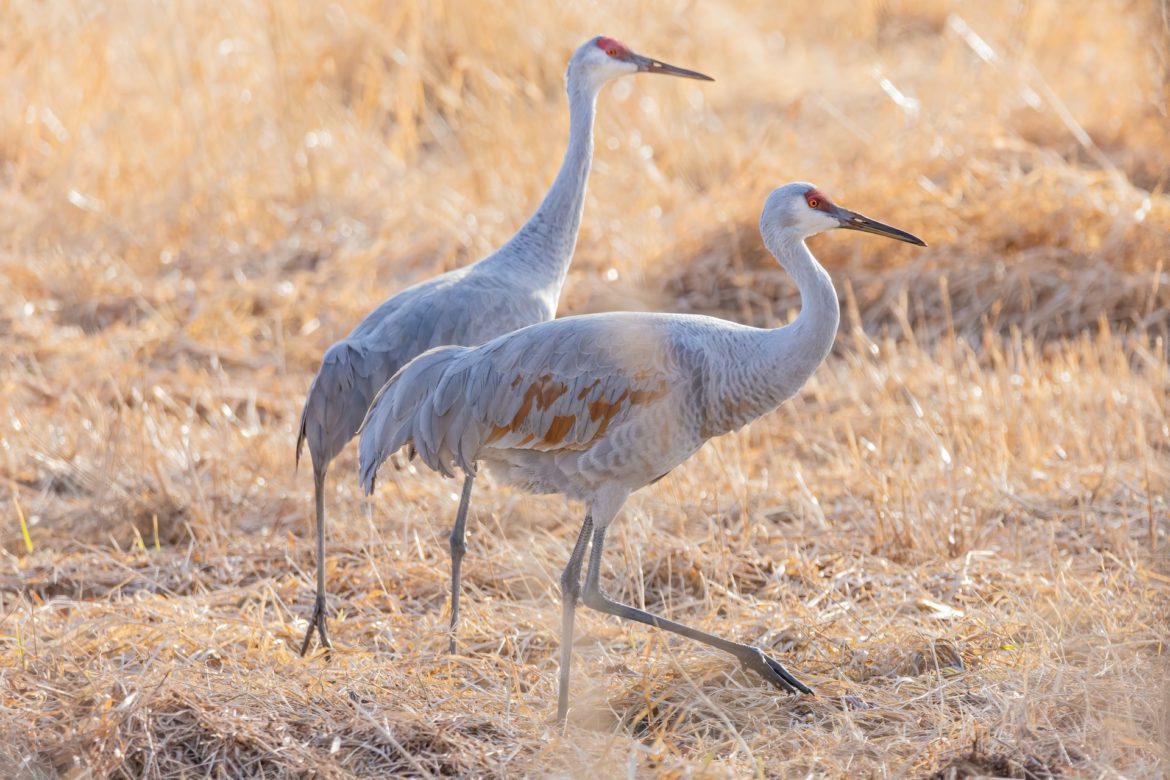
(598, 406)
(466, 306)
(517, 285)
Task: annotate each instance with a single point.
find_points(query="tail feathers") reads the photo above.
(403, 414)
(337, 400)
(303, 430)
(300, 440)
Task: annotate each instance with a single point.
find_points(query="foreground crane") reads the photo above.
(598, 406)
(517, 285)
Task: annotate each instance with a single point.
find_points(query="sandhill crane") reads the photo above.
(517, 285)
(598, 406)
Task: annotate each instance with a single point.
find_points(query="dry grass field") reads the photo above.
(957, 533)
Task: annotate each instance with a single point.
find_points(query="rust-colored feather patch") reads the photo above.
(606, 411)
(543, 393)
(585, 391)
(559, 429)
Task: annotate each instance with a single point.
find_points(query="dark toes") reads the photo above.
(317, 623)
(792, 684)
(771, 670)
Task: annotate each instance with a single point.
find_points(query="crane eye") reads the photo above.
(813, 203)
(611, 52)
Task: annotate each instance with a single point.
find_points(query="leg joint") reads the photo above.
(570, 584)
(595, 599)
(458, 545)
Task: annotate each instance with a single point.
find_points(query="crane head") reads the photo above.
(805, 209)
(602, 59)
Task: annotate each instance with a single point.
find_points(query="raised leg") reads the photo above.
(570, 590)
(458, 548)
(317, 622)
(751, 657)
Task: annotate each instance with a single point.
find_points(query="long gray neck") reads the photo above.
(542, 249)
(798, 348)
(769, 366)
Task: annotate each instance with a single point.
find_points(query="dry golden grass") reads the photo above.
(957, 532)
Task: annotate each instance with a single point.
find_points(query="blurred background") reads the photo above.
(196, 199)
(193, 162)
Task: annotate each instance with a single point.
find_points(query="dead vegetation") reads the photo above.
(957, 533)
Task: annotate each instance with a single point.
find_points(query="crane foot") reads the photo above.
(770, 669)
(317, 623)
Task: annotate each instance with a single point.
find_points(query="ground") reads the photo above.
(956, 533)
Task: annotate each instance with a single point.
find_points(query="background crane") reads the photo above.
(517, 285)
(596, 407)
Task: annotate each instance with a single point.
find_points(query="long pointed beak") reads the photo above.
(851, 220)
(647, 65)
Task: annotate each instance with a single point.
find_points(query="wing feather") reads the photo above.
(560, 385)
(553, 387)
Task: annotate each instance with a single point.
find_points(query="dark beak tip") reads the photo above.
(650, 65)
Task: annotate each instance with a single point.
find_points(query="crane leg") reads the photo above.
(570, 591)
(317, 622)
(458, 548)
(751, 657)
